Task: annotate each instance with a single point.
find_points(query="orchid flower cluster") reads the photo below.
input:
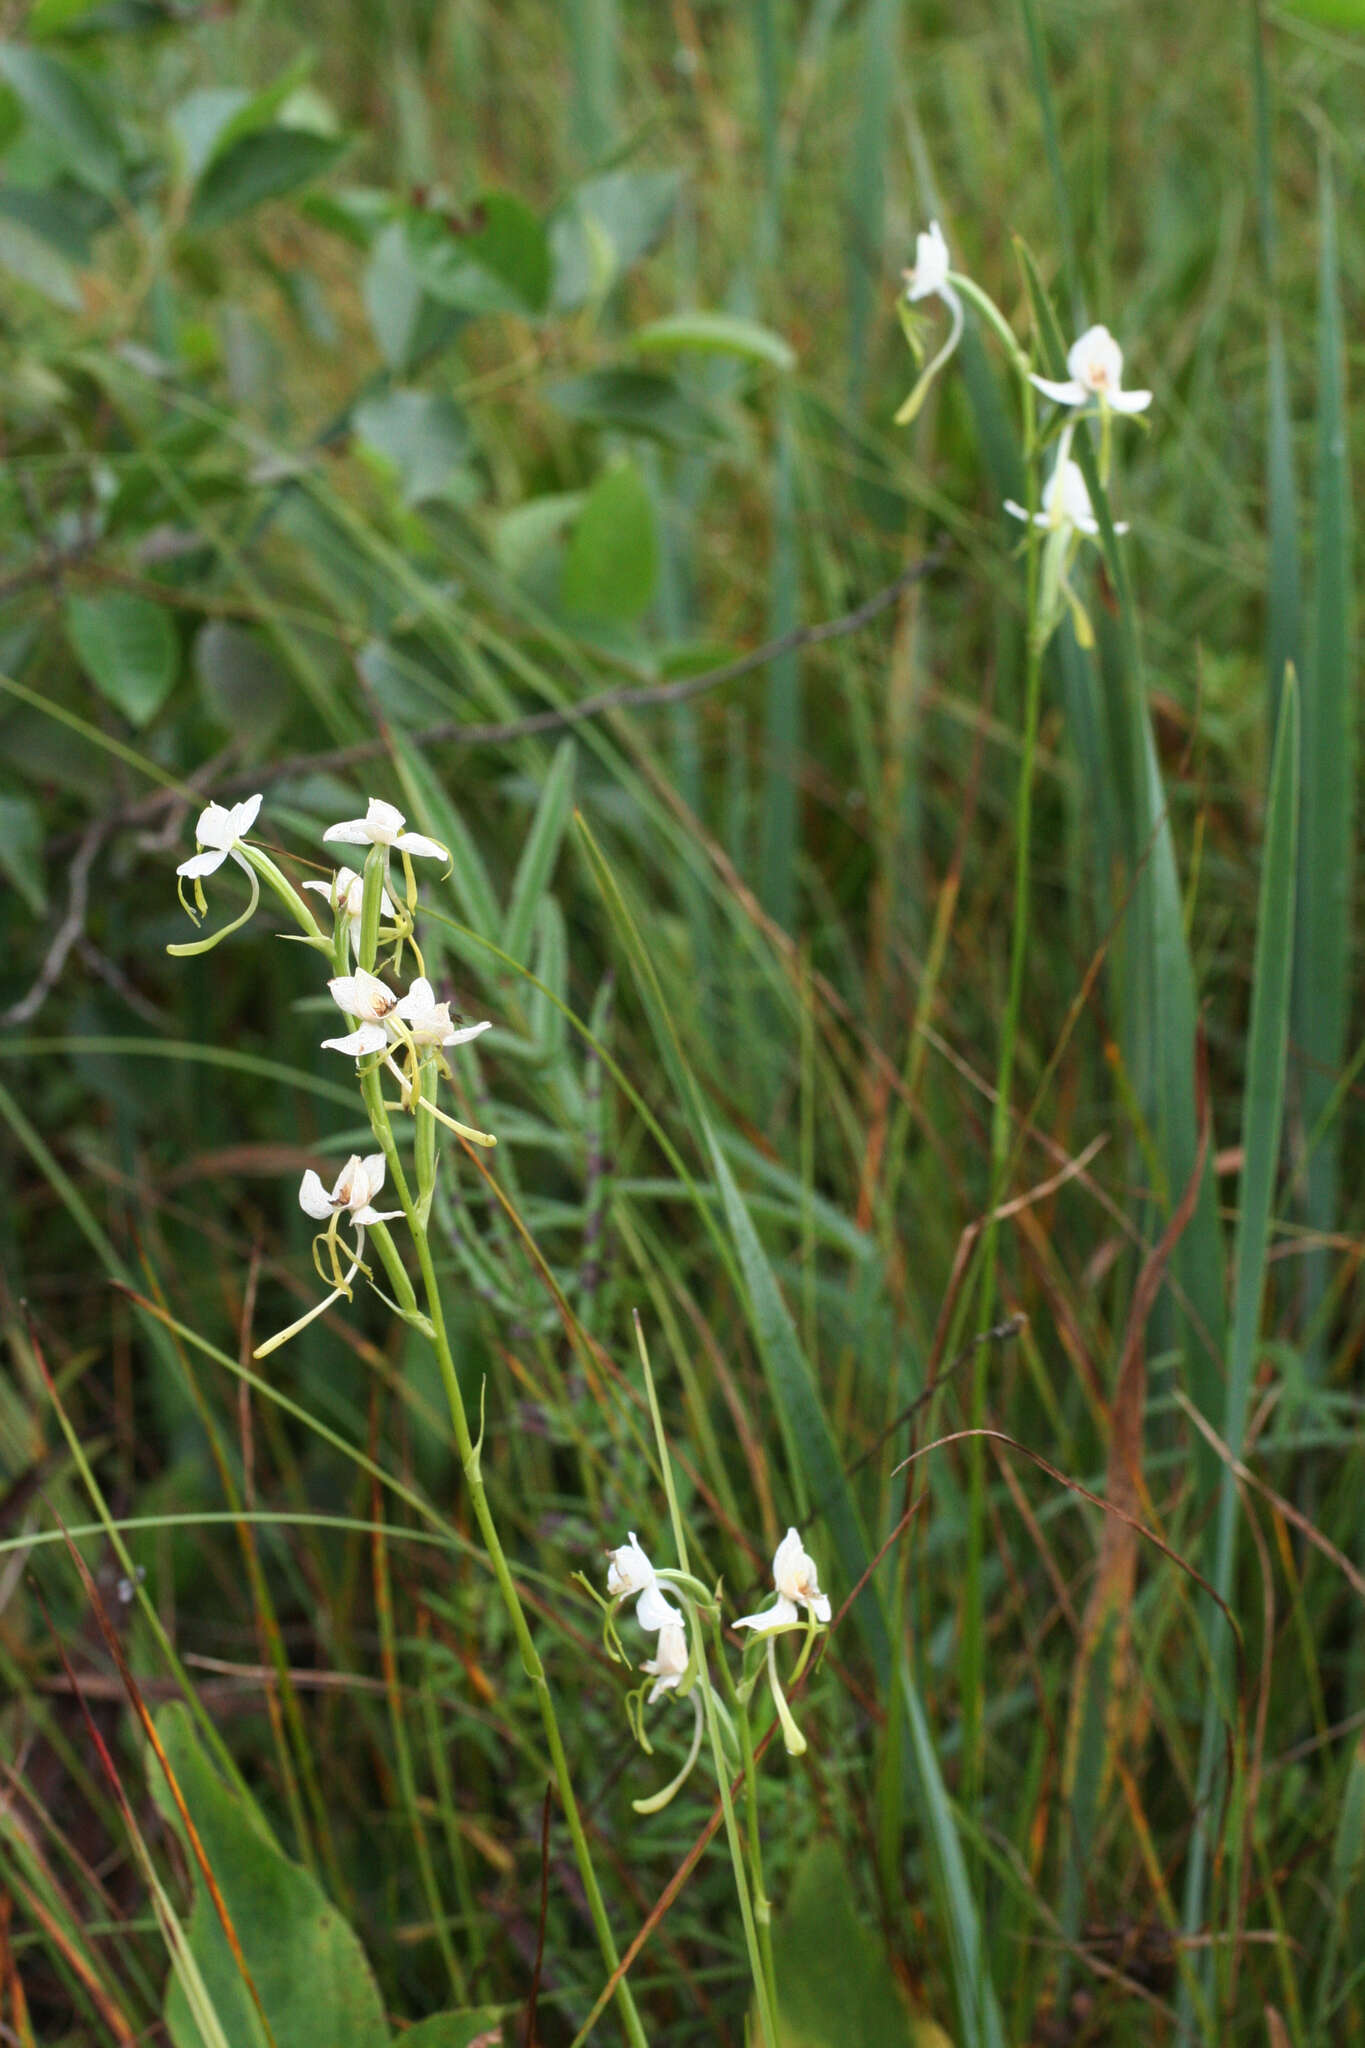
(404, 1035)
(679, 1663)
(1092, 389)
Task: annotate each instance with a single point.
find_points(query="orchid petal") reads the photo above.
(363, 994)
(242, 816)
(1070, 393)
(368, 1038)
(351, 831)
(215, 827)
(421, 996)
(314, 1199)
(203, 863)
(383, 821)
(1130, 401)
(424, 848)
(653, 1611)
(782, 1615)
(628, 1569)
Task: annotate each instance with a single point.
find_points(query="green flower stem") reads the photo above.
(739, 1704)
(967, 289)
(760, 1953)
(405, 1294)
(287, 893)
(763, 1912)
(470, 1454)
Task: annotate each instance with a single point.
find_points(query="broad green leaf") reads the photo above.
(715, 334)
(835, 1986)
(209, 120)
(479, 2027)
(424, 437)
(64, 215)
(309, 1970)
(59, 99)
(637, 402)
(496, 261)
(37, 264)
(242, 684)
(128, 647)
(611, 565)
(21, 850)
(198, 121)
(605, 227)
(393, 294)
(262, 165)
(540, 852)
(523, 537)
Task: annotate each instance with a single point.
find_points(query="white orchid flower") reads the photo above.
(218, 834)
(630, 1574)
(1066, 506)
(415, 1021)
(931, 278)
(668, 1666)
(932, 264)
(382, 825)
(429, 1022)
(362, 995)
(353, 1191)
(1096, 366)
(222, 832)
(798, 1585)
(628, 1569)
(345, 895)
(351, 1197)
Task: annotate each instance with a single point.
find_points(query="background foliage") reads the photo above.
(374, 382)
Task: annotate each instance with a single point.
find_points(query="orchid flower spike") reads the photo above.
(345, 895)
(382, 825)
(351, 1197)
(797, 1582)
(1066, 504)
(931, 278)
(1096, 366)
(668, 1666)
(630, 1573)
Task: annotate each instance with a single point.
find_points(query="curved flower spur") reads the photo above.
(352, 1197)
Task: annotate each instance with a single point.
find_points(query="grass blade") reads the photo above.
(1327, 805)
(779, 812)
(1262, 1125)
(867, 188)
